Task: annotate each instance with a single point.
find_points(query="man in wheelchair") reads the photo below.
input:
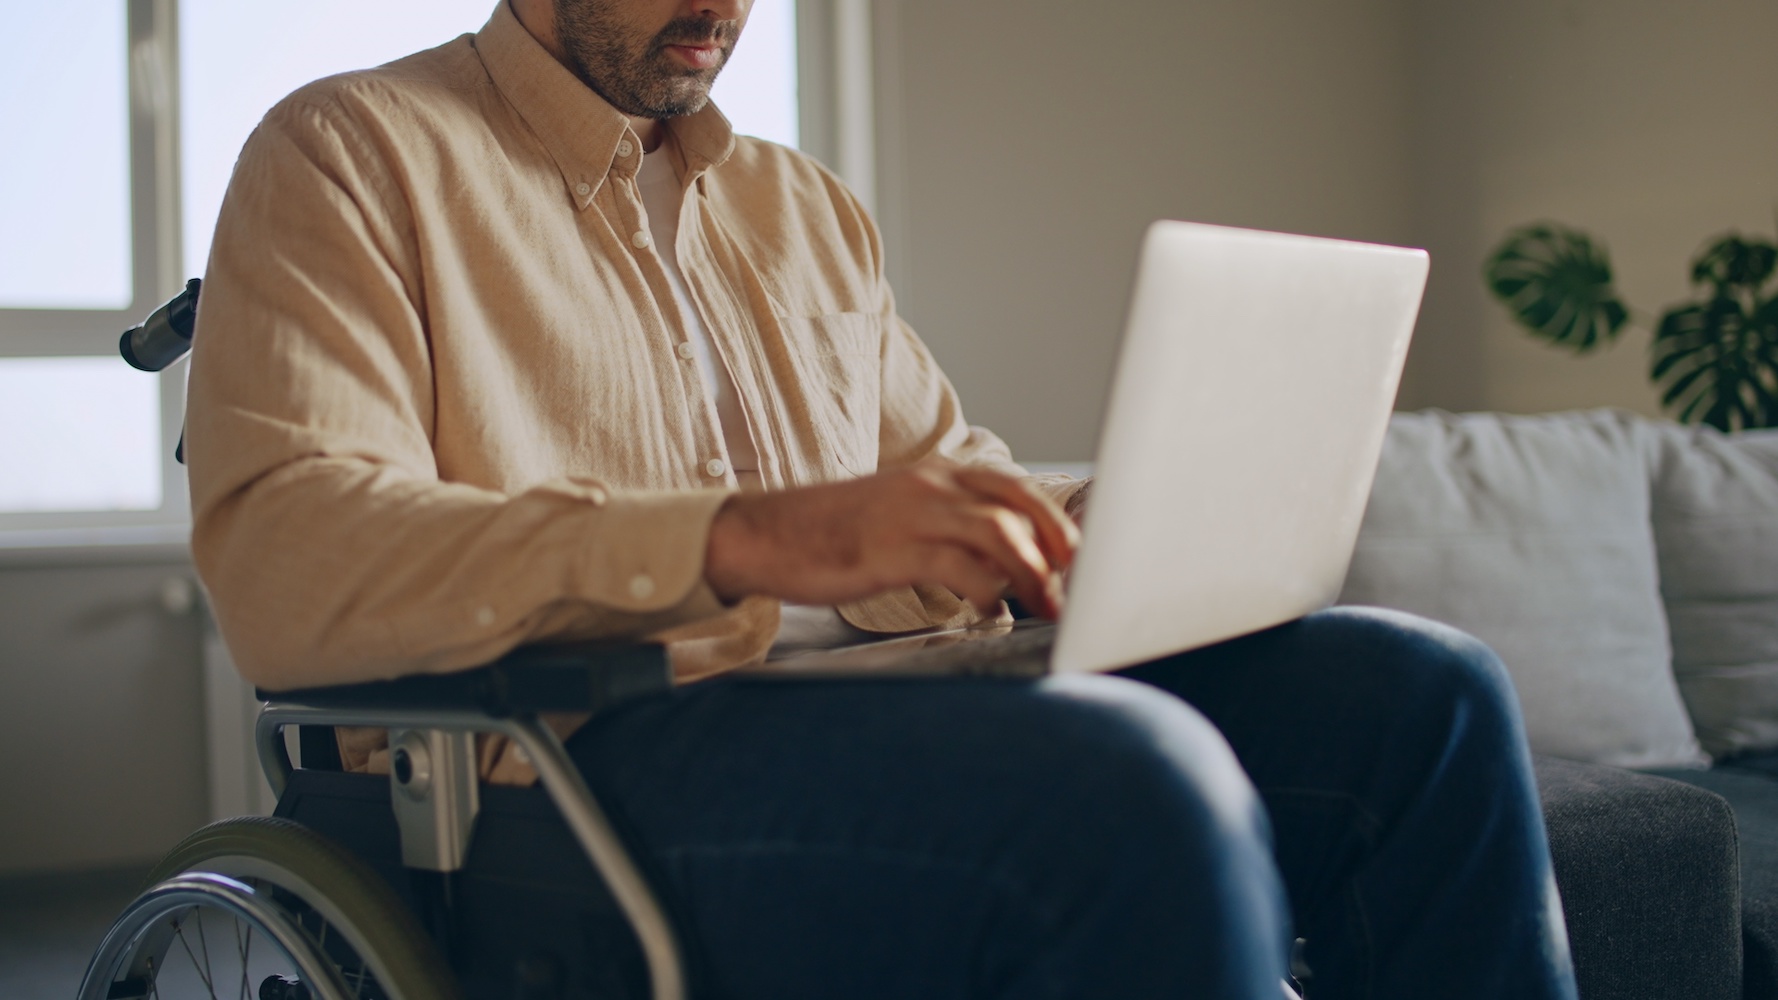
(513, 341)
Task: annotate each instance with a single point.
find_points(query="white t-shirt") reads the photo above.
(803, 626)
(662, 196)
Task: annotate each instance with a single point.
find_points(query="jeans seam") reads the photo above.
(1368, 944)
(1369, 829)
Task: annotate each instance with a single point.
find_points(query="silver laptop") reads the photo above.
(1253, 390)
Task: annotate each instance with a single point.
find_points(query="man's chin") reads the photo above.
(680, 101)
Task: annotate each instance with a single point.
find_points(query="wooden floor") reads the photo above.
(50, 924)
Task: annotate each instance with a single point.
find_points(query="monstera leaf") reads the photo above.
(1732, 262)
(1715, 359)
(1558, 286)
(1718, 358)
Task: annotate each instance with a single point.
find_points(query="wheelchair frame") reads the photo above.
(442, 810)
(434, 782)
(432, 720)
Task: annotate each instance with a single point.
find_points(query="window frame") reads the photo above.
(153, 155)
(835, 121)
(836, 94)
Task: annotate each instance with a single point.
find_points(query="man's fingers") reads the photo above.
(1002, 539)
(998, 535)
(977, 532)
(964, 575)
(1056, 533)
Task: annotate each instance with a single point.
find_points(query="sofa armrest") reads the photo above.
(1649, 879)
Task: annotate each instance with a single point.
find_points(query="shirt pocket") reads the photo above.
(839, 360)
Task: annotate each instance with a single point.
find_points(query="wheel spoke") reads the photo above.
(296, 932)
(202, 968)
(204, 943)
(245, 947)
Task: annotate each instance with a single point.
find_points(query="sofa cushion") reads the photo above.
(1716, 530)
(1533, 534)
(1647, 872)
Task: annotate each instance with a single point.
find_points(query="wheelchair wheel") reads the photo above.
(266, 908)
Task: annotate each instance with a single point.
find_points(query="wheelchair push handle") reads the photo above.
(165, 336)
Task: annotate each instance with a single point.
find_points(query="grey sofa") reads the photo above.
(1669, 880)
(1627, 572)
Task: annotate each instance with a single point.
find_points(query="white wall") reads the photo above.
(1024, 146)
(101, 715)
(1646, 122)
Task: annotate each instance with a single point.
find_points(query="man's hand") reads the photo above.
(976, 532)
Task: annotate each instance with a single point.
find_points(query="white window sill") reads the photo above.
(159, 543)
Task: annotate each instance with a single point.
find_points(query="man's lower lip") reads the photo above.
(697, 57)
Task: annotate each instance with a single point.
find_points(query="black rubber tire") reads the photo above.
(304, 863)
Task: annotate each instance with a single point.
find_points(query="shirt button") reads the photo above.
(624, 148)
(716, 467)
(596, 496)
(687, 351)
(641, 586)
(484, 617)
(641, 239)
(583, 189)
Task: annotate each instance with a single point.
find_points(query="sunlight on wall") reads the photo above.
(757, 89)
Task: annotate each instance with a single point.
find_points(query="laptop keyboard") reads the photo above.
(1022, 652)
(1019, 650)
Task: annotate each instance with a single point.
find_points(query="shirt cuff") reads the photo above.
(647, 556)
(1057, 487)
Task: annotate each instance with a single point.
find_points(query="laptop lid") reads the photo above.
(1246, 417)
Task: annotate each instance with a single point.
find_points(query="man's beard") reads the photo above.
(632, 72)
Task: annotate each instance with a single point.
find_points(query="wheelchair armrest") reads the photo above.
(581, 677)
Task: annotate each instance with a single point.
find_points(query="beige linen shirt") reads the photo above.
(438, 404)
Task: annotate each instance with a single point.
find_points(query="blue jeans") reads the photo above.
(1358, 778)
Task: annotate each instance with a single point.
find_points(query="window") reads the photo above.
(66, 206)
(117, 167)
(82, 456)
(84, 189)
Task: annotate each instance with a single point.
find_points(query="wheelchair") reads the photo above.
(421, 885)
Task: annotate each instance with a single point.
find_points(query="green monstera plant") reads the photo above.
(1715, 358)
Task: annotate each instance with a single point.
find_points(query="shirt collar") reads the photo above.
(579, 129)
